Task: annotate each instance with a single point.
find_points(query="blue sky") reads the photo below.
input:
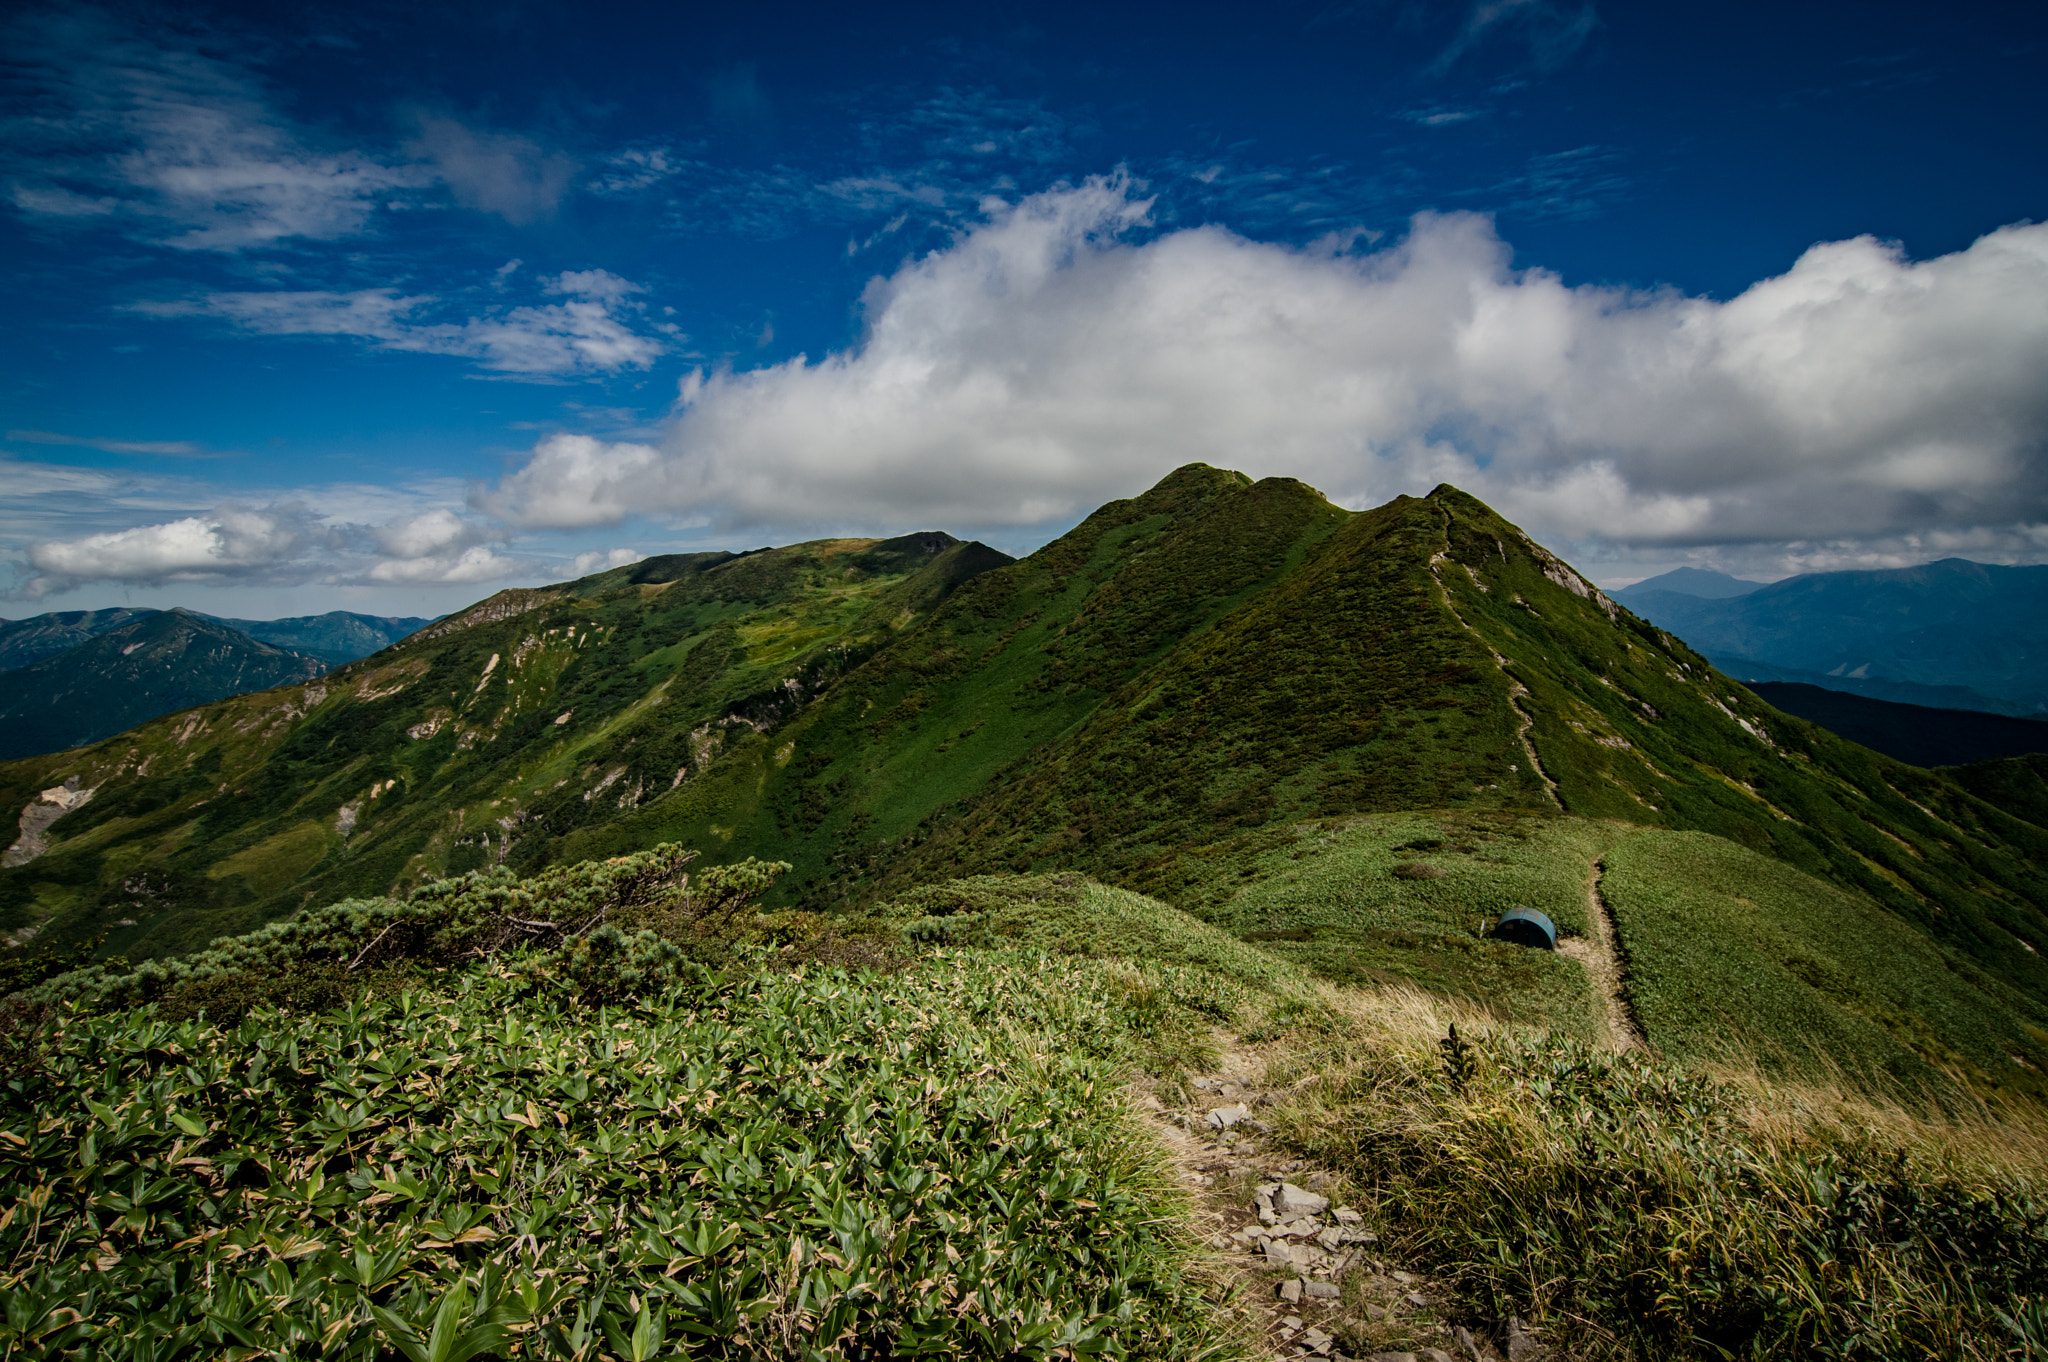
(385, 307)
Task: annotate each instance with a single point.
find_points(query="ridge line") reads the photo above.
(1516, 690)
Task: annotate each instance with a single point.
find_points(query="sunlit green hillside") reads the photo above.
(1196, 694)
(495, 734)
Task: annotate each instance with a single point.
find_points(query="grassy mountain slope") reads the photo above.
(1178, 697)
(1631, 724)
(1010, 665)
(1226, 768)
(498, 731)
(514, 1136)
(164, 661)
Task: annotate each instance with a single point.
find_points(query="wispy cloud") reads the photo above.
(511, 176)
(1578, 182)
(636, 169)
(176, 449)
(180, 142)
(1278, 198)
(1551, 31)
(592, 332)
(175, 136)
(1439, 116)
(935, 156)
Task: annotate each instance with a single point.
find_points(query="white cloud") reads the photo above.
(229, 542)
(600, 560)
(574, 481)
(1042, 364)
(438, 531)
(593, 332)
(474, 564)
(283, 544)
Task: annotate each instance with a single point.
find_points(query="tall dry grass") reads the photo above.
(1641, 1208)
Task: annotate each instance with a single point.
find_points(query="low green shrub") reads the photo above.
(808, 1165)
(325, 955)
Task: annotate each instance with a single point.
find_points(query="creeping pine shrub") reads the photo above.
(607, 966)
(22, 1019)
(326, 954)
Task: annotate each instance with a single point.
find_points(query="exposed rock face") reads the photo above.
(504, 606)
(51, 805)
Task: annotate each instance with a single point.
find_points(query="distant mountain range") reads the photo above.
(77, 676)
(31, 640)
(1951, 634)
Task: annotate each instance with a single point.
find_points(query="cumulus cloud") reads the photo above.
(228, 543)
(575, 481)
(1049, 359)
(600, 560)
(592, 332)
(478, 563)
(279, 544)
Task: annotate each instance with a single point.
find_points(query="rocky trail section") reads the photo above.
(1307, 1277)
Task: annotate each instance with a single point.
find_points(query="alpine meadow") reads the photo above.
(887, 948)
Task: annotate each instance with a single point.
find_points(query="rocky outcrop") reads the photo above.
(51, 805)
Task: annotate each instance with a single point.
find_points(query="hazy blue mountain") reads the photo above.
(1914, 733)
(1953, 623)
(161, 662)
(41, 636)
(337, 637)
(1689, 581)
(1751, 672)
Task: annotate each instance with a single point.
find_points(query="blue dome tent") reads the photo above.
(1526, 927)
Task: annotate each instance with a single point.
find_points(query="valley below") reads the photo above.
(885, 948)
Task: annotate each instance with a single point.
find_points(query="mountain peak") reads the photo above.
(1703, 583)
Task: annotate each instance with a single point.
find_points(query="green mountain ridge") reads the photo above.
(1205, 693)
